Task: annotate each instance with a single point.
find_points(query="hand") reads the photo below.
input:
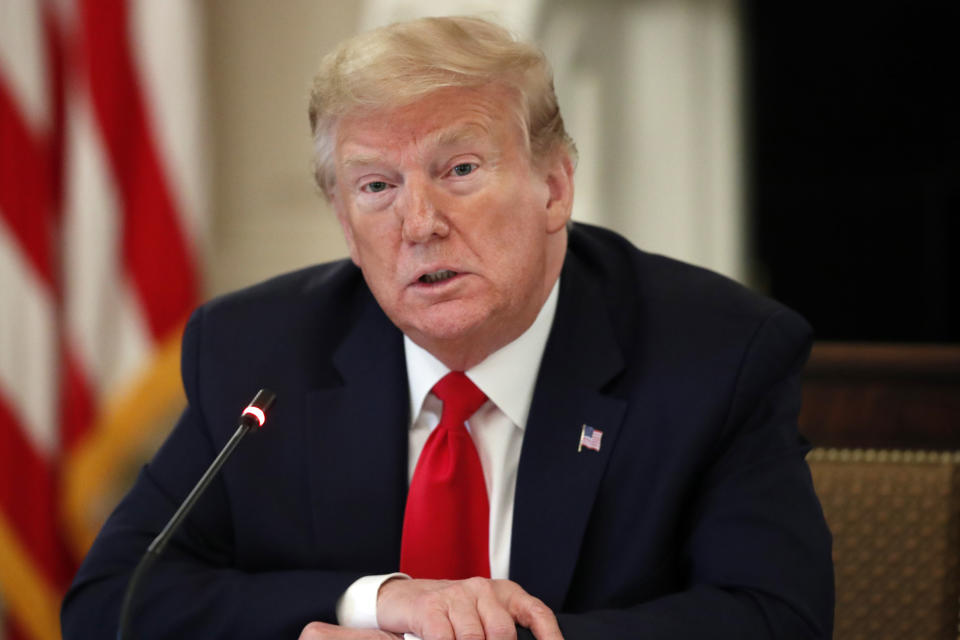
(473, 609)
(323, 631)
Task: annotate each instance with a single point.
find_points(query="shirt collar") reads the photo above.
(507, 376)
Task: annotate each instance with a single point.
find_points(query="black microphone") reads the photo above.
(253, 416)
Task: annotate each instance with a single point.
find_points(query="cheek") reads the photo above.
(375, 236)
(505, 208)
(514, 224)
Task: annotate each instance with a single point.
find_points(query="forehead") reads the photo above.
(444, 117)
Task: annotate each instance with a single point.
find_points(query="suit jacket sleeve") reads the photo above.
(755, 551)
(197, 588)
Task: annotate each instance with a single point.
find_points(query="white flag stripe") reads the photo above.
(23, 60)
(132, 343)
(174, 97)
(113, 352)
(28, 345)
(104, 325)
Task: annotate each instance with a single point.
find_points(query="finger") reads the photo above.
(316, 631)
(498, 624)
(433, 626)
(533, 614)
(324, 631)
(464, 616)
(430, 616)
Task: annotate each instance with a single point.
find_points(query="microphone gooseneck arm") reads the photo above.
(253, 416)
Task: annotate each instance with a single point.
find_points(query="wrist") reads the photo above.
(357, 607)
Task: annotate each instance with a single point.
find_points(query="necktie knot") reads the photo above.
(461, 398)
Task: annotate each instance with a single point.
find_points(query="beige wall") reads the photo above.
(266, 216)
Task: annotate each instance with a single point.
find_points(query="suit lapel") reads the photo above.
(357, 438)
(556, 484)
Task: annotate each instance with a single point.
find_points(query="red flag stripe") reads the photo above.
(25, 200)
(16, 632)
(56, 81)
(27, 498)
(155, 248)
(77, 410)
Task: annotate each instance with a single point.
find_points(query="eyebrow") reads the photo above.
(445, 138)
(465, 133)
(361, 159)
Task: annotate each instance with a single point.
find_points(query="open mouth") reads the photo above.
(436, 276)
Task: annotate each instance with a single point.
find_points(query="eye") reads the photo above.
(375, 187)
(464, 168)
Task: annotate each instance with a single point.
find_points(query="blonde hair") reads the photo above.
(401, 63)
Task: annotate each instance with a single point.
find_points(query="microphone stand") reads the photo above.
(253, 415)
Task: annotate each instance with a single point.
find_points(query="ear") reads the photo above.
(343, 218)
(559, 180)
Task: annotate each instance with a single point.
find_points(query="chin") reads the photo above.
(446, 326)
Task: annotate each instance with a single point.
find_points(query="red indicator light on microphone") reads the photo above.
(258, 408)
(257, 413)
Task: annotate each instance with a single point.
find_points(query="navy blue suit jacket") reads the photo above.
(697, 518)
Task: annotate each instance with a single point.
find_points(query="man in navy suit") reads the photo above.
(690, 513)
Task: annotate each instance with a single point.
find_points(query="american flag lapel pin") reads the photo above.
(589, 438)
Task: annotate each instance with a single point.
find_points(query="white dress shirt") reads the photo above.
(507, 377)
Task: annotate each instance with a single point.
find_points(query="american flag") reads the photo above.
(590, 438)
(101, 202)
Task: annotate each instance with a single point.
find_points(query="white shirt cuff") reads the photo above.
(357, 607)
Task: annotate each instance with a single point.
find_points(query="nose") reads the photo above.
(421, 214)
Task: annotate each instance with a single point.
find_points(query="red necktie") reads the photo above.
(445, 526)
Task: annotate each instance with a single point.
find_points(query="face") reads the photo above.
(459, 236)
